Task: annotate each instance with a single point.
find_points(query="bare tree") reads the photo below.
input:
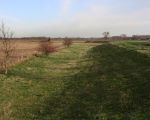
(106, 35)
(7, 46)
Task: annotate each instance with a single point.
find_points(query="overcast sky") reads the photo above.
(76, 18)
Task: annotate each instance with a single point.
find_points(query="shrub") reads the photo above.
(67, 42)
(47, 47)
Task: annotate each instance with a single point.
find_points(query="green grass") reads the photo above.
(140, 46)
(84, 82)
(24, 90)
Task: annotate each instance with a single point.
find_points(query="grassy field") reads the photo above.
(84, 82)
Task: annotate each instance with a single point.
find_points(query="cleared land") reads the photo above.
(84, 82)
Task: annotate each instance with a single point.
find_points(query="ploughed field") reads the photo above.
(100, 81)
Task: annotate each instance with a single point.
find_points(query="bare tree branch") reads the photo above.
(7, 45)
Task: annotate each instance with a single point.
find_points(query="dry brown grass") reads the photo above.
(23, 50)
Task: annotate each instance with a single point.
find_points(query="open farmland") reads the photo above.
(87, 81)
(21, 50)
(24, 49)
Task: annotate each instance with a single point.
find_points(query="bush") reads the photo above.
(67, 42)
(47, 47)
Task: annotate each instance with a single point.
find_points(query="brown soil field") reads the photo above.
(23, 49)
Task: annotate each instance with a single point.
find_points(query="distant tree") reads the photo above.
(67, 42)
(8, 46)
(106, 35)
